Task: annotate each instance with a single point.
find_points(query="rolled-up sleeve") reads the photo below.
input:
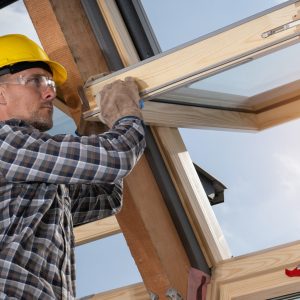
(27, 155)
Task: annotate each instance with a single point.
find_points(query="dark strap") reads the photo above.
(18, 67)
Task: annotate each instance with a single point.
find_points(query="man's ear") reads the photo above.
(2, 96)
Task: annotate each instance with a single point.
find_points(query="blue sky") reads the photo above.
(261, 170)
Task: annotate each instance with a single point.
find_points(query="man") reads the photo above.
(50, 183)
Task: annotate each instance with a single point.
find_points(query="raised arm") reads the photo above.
(28, 155)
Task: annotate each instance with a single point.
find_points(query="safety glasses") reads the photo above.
(38, 82)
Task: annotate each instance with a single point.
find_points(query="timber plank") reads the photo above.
(132, 292)
(151, 234)
(173, 115)
(57, 23)
(96, 230)
(258, 275)
(193, 196)
(117, 29)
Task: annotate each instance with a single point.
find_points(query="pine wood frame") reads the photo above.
(96, 230)
(229, 48)
(132, 292)
(257, 276)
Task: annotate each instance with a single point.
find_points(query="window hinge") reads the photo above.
(280, 28)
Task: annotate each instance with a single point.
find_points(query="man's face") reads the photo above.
(30, 102)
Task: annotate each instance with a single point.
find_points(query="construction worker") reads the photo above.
(48, 183)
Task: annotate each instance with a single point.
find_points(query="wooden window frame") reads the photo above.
(257, 276)
(166, 72)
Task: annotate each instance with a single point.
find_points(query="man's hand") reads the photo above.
(119, 99)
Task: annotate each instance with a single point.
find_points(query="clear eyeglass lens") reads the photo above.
(40, 82)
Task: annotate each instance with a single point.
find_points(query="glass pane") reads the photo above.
(258, 76)
(244, 81)
(261, 172)
(176, 22)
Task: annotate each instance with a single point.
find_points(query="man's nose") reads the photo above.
(48, 94)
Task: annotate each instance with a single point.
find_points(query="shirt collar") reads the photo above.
(16, 122)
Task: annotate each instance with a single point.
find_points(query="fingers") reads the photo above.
(119, 99)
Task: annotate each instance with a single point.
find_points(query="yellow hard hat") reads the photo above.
(17, 48)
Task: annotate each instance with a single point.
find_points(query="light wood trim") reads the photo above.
(202, 58)
(258, 275)
(96, 230)
(132, 292)
(258, 262)
(280, 114)
(193, 196)
(275, 96)
(172, 115)
(261, 287)
(118, 31)
(43, 17)
(47, 17)
(209, 98)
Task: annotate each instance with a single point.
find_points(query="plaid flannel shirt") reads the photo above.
(47, 185)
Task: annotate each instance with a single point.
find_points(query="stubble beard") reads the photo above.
(40, 122)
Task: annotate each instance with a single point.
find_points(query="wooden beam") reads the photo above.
(258, 275)
(96, 230)
(279, 114)
(277, 106)
(270, 98)
(193, 196)
(57, 23)
(62, 106)
(151, 235)
(132, 292)
(208, 98)
(173, 115)
(261, 287)
(203, 58)
(118, 31)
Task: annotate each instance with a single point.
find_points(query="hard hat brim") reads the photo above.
(59, 72)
